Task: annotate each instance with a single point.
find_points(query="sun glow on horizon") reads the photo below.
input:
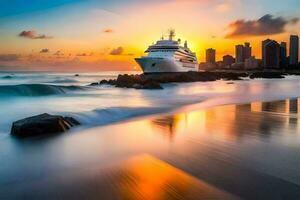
(104, 36)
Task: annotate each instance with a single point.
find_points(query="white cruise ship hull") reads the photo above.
(164, 65)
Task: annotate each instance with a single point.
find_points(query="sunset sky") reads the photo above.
(85, 35)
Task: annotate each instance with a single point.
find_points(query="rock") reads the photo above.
(103, 82)
(72, 121)
(125, 81)
(43, 124)
(267, 75)
(152, 85)
(76, 74)
(94, 84)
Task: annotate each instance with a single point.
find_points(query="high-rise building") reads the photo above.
(239, 53)
(271, 54)
(228, 60)
(294, 49)
(242, 52)
(211, 56)
(283, 55)
(247, 52)
(263, 48)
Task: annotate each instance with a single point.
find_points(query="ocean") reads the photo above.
(27, 94)
(207, 134)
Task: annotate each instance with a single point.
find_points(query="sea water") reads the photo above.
(24, 94)
(234, 148)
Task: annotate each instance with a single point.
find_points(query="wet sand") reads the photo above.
(247, 151)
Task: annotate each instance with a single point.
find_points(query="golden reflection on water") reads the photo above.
(231, 122)
(203, 141)
(288, 106)
(145, 177)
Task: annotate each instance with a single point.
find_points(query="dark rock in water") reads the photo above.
(43, 124)
(267, 75)
(112, 82)
(94, 84)
(104, 82)
(151, 85)
(137, 82)
(72, 121)
(76, 74)
(153, 81)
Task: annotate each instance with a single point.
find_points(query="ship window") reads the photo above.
(153, 64)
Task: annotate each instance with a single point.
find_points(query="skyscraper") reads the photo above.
(242, 52)
(271, 54)
(247, 51)
(283, 55)
(294, 49)
(263, 48)
(239, 53)
(211, 56)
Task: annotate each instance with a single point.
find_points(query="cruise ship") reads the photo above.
(168, 55)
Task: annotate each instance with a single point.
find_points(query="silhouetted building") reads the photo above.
(239, 53)
(210, 55)
(283, 55)
(242, 52)
(271, 53)
(247, 52)
(263, 49)
(294, 49)
(228, 60)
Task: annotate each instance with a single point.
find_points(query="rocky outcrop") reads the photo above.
(267, 75)
(154, 81)
(43, 124)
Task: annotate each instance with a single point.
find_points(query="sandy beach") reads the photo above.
(246, 151)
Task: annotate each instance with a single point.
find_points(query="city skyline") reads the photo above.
(274, 55)
(101, 35)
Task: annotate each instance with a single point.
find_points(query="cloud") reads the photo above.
(33, 35)
(266, 25)
(108, 30)
(9, 57)
(45, 51)
(117, 51)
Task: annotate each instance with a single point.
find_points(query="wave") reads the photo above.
(37, 90)
(99, 117)
(63, 81)
(7, 77)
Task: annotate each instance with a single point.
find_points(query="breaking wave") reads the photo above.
(37, 90)
(99, 117)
